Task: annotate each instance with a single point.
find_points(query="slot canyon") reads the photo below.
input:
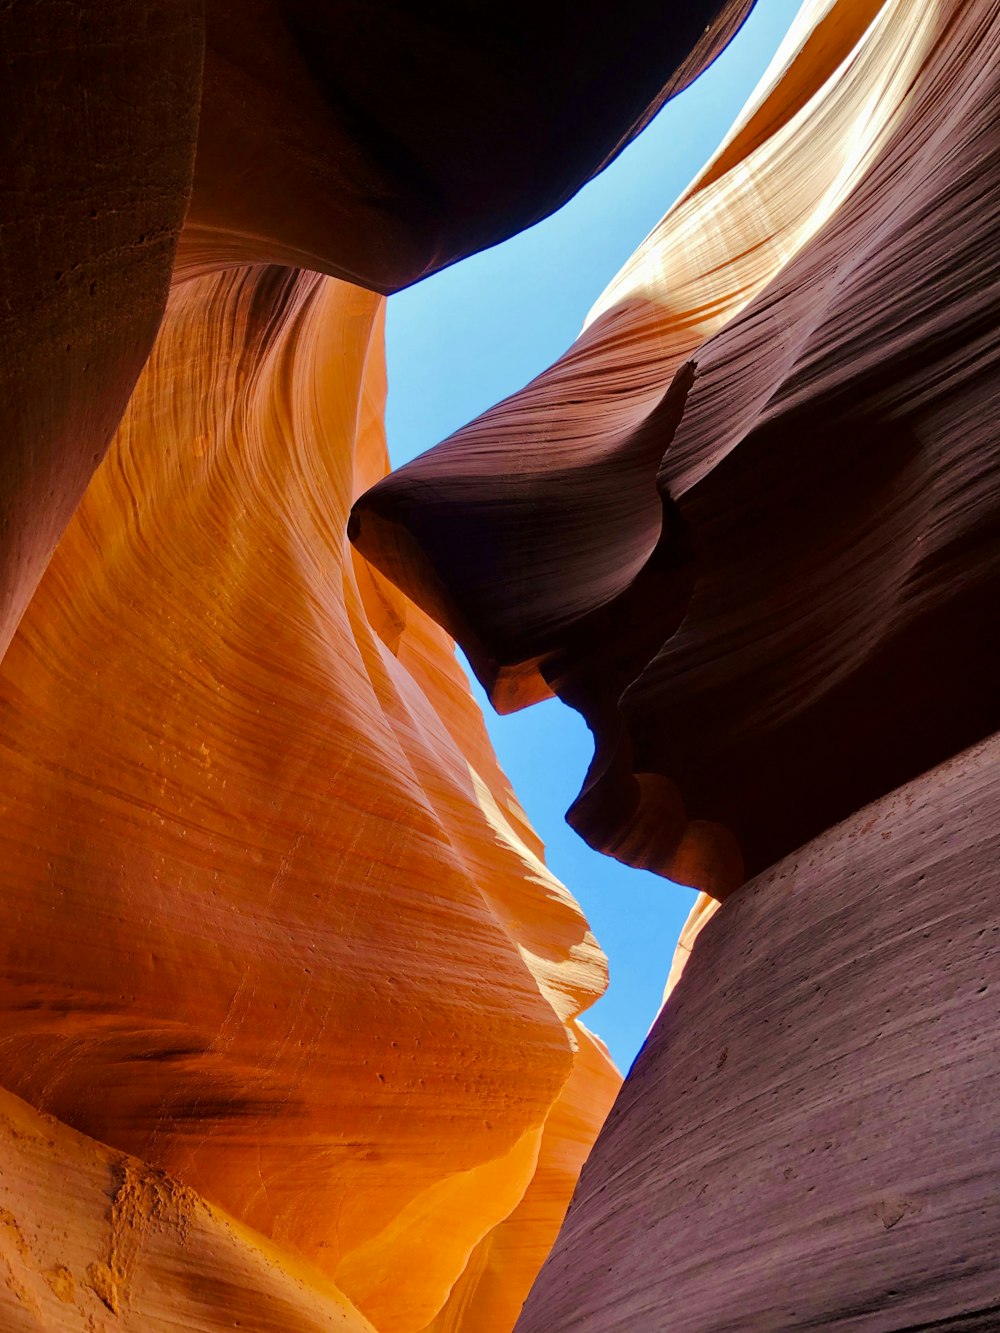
(294, 1012)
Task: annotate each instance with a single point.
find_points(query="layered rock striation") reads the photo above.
(365, 141)
(280, 942)
(751, 526)
(382, 141)
(291, 1004)
(278, 926)
(91, 205)
(808, 1138)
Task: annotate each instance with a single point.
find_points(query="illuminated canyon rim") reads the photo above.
(294, 1031)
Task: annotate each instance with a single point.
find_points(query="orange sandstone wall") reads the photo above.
(752, 517)
(276, 924)
(503, 1266)
(370, 141)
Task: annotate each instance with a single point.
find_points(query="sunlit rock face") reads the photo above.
(276, 923)
(751, 518)
(751, 514)
(290, 1002)
(808, 1139)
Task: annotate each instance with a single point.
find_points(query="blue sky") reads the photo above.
(462, 340)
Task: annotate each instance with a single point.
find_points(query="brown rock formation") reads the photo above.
(91, 205)
(276, 923)
(362, 140)
(751, 526)
(279, 940)
(750, 515)
(808, 1139)
(382, 141)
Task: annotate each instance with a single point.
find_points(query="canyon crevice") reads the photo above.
(292, 1033)
(824, 298)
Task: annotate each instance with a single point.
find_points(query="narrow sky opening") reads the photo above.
(465, 338)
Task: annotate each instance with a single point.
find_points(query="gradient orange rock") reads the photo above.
(276, 923)
(751, 512)
(503, 1266)
(290, 1000)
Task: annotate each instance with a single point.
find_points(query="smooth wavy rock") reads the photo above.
(748, 523)
(275, 922)
(501, 1269)
(808, 1138)
(382, 141)
(91, 1239)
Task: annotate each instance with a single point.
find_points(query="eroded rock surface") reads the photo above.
(382, 141)
(290, 1001)
(92, 1240)
(91, 205)
(368, 140)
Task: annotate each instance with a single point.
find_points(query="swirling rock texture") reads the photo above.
(381, 141)
(278, 926)
(748, 526)
(291, 1003)
(279, 941)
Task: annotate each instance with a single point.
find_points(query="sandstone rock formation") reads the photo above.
(752, 525)
(290, 1002)
(500, 1271)
(749, 514)
(91, 205)
(277, 924)
(808, 1139)
(381, 141)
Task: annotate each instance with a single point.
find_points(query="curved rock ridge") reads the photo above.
(366, 140)
(501, 1269)
(808, 1138)
(747, 524)
(91, 1239)
(274, 921)
(380, 142)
